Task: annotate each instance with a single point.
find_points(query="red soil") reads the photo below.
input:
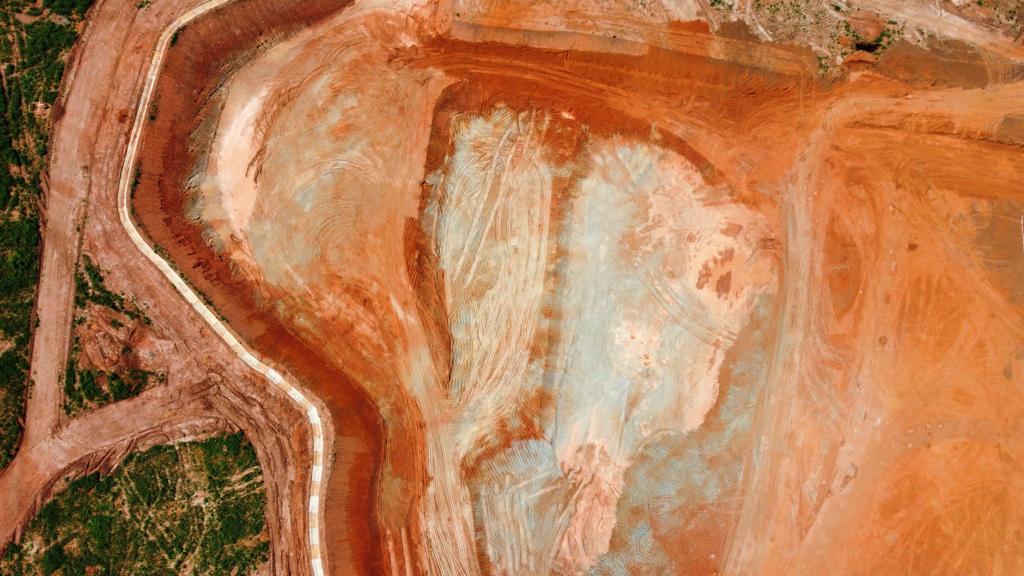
(202, 54)
(817, 158)
(208, 389)
(600, 89)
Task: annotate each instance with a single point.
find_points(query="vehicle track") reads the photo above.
(125, 183)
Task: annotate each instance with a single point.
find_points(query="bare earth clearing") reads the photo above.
(208, 389)
(605, 288)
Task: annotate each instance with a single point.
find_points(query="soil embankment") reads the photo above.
(207, 388)
(202, 55)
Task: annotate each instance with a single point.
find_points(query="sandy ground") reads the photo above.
(923, 302)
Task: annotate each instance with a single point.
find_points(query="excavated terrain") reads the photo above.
(203, 389)
(614, 287)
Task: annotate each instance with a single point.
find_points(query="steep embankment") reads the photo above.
(200, 57)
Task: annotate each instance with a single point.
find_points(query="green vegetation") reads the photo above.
(32, 54)
(851, 32)
(823, 65)
(794, 20)
(86, 389)
(195, 508)
(89, 287)
(1001, 14)
(893, 31)
(68, 8)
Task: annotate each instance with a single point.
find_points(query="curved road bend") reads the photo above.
(300, 398)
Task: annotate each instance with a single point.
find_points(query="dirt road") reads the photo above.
(87, 156)
(300, 398)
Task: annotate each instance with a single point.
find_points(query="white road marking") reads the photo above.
(123, 196)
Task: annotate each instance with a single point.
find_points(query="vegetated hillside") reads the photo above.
(193, 508)
(35, 38)
(103, 363)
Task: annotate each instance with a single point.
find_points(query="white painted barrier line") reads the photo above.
(124, 212)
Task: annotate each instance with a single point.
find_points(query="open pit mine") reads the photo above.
(610, 288)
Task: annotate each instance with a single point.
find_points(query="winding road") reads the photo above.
(300, 398)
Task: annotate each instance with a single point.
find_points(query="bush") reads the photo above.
(145, 519)
(45, 41)
(68, 8)
(54, 559)
(34, 77)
